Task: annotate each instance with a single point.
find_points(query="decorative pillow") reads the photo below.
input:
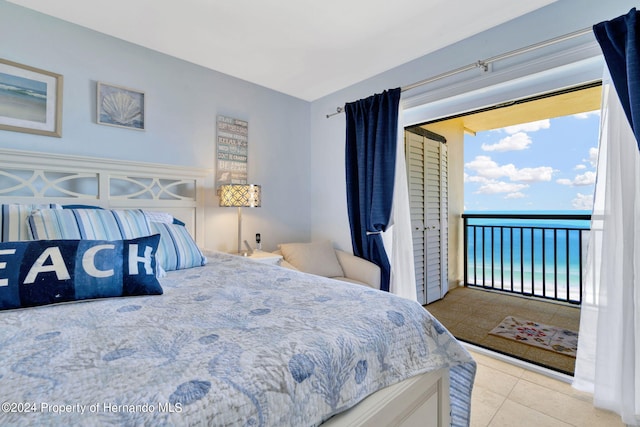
(132, 223)
(177, 249)
(165, 217)
(13, 220)
(317, 258)
(91, 224)
(51, 271)
(81, 207)
(155, 216)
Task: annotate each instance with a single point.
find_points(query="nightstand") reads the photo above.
(264, 257)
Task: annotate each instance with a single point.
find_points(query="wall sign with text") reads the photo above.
(233, 139)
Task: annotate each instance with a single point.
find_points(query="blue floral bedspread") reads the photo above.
(233, 343)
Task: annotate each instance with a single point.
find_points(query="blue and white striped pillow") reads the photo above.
(14, 226)
(88, 224)
(177, 249)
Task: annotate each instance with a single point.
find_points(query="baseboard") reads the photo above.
(519, 363)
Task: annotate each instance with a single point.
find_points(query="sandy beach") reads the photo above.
(21, 107)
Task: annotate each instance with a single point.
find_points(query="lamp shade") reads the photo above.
(240, 195)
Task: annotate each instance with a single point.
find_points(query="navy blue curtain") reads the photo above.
(372, 137)
(618, 40)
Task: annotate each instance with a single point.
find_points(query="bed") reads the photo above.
(230, 342)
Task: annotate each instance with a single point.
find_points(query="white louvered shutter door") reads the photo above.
(427, 168)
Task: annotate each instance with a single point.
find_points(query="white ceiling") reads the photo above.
(303, 48)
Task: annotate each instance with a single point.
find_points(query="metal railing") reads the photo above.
(529, 254)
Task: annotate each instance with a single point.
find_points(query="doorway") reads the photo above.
(427, 169)
(472, 321)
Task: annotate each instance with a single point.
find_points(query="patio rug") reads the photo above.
(551, 338)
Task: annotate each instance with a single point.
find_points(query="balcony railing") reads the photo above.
(536, 255)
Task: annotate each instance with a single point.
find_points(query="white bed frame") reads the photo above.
(32, 177)
(420, 401)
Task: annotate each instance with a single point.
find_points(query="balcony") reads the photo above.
(536, 255)
(528, 266)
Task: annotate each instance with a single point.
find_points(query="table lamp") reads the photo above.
(240, 195)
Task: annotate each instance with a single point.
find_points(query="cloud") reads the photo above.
(583, 116)
(515, 142)
(486, 168)
(587, 178)
(592, 160)
(516, 195)
(481, 162)
(583, 201)
(475, 178)
(496, 187)
(542, 173)
(528, 127)
(593, 156)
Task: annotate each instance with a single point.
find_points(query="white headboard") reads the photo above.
(32, 177)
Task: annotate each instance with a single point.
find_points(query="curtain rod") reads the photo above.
(484, 64)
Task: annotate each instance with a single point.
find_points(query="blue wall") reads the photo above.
(294, 151)
(182, 102)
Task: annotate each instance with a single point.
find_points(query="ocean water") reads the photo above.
(23, 103)
(537, 257)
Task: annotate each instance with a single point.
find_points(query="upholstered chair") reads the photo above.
(322, 259)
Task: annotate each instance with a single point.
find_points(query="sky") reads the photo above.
(22, 82)
(544, 165)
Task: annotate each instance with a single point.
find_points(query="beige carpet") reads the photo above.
(470, 314)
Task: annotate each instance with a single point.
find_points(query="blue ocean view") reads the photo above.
(23, 99)
(535, 256)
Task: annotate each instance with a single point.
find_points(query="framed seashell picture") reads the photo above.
(120, 106)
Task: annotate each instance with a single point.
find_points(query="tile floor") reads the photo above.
(508, 393)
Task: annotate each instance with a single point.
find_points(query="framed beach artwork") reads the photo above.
(30, 99)
(120, 106)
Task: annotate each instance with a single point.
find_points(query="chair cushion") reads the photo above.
(317, 258)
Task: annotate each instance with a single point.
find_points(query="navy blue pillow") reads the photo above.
(81, 207)
(50, 271)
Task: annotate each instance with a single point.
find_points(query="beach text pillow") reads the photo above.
(52, 271)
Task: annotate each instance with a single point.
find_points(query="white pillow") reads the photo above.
(317, 258)
(155, 216)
